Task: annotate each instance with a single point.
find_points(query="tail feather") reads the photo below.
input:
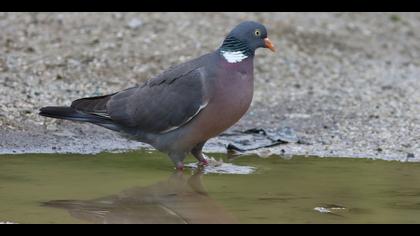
(69, 113)
(66, 113)
(92, 104)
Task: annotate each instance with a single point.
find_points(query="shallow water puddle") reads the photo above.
(220, 167)
(141, 187)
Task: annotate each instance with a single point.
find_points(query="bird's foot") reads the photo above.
(180, 166)
(203, 162)
(210, 161)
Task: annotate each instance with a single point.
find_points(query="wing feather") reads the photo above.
(163, 104)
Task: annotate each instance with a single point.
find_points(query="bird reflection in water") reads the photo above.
(178, 200)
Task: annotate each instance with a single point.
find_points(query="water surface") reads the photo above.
(141, 187)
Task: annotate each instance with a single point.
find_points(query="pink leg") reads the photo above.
(203, 162)
(180, 166)
(178, 159)
(198, 154)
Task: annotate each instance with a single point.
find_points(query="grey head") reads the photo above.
(247, 37)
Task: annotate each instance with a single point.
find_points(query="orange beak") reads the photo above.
(269, 44)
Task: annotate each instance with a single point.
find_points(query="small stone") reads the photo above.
(94, 42)
(30, 50)
(135, 23)
(395, 18)
(3, 65)
(374, 116)
(51, 127)
(304, 141)
(410, 155)
(73, 62)
(386, 87)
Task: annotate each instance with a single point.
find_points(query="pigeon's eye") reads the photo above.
(257, 33)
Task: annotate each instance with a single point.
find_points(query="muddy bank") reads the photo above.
(346, 82)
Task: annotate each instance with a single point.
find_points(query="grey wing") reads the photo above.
(161, 104)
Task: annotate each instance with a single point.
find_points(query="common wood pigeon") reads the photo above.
(179, 110)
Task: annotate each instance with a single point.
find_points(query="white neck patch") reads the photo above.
(234, 57)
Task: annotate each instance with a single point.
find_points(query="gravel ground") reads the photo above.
(348, 83)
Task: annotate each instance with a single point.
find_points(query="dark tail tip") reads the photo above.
(58, 112)
(69, 113)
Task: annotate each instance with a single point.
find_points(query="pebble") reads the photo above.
(135, 23)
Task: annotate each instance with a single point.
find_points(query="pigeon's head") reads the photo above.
(247, 37)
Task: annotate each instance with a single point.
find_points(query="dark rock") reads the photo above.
(30, 50)
(387, 87)
(255, 131)
(232, 147)
(257, 138)
(410, 155)
(395, 18)
(304, 141)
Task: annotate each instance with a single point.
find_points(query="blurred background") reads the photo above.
(348, 83)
